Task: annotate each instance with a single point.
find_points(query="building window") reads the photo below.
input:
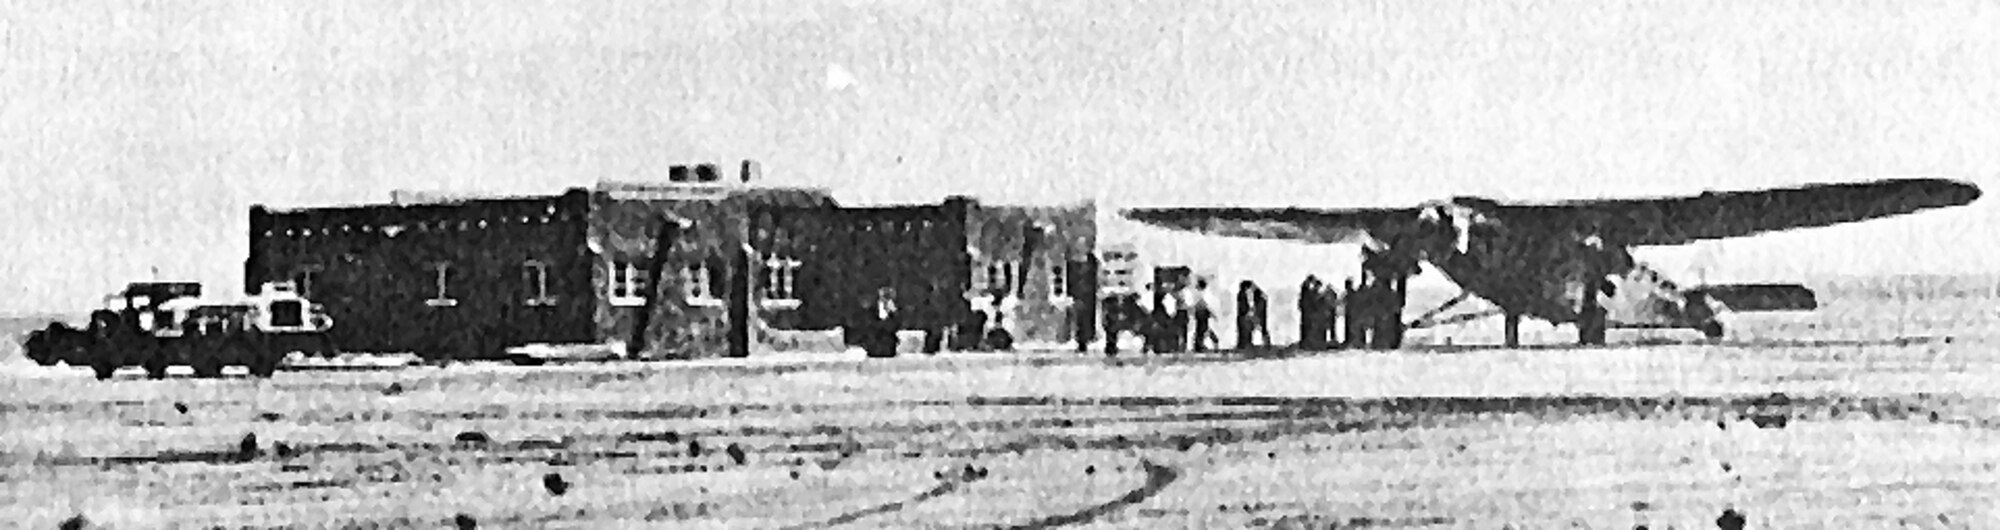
(1059, 281)
(441, 274)
(996, 277)
(535, 282)
(999, 274)
(628, 284)
(696, 282)
(778, 284)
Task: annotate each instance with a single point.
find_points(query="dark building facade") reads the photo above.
(1045, 257)
(830, 261)
(436, 278)
(943, 260)
(470, 277)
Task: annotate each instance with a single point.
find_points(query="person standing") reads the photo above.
(1251, 315)
(1147, 319)
(1121, 315)
(1358, 318)
(1330, 305)
(1310, 335)
(1245, 313)
(1172, 321)
(1000, 333)
(971, 330)
(1204, 313)
(879, 334)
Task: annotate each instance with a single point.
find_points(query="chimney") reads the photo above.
(707, 173)
(752, 171)
(679, 174)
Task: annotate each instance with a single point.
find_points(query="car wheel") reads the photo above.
(103, 369)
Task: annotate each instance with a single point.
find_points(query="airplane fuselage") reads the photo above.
(1529, 266)
(1544, 260)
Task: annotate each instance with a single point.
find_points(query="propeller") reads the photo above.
(1450, 227)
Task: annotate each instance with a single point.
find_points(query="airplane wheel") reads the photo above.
(208, 361)
(1712, 330)
(156, 369)
(266, 365)
(154, 359)
(207, 368)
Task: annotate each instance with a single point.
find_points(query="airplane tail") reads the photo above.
(1761, 297)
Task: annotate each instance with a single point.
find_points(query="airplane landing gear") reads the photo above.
(1590, 319)
(1513, 332)
(1590, 325)
(1711, 329)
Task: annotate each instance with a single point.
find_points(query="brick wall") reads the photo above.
(375, 268)
(625, 231)
(1046, 282)
(846, 254)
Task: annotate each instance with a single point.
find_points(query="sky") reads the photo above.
(136, 134)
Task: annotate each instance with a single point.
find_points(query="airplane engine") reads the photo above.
(1454, 225)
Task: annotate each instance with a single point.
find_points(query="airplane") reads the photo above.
(1569, 262)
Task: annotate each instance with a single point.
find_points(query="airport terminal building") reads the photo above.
(662, 269)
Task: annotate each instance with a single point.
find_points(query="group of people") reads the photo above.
(874, 326)
(1351, 315)
(985, 326)
(1172, 320)
(1320, 309)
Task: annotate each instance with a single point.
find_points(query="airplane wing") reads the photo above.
(1720, 215)
(1295, 224)
(1640, 222)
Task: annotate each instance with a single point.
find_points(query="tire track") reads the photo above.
(1158, 477)
(1274, 417)
(942, 489)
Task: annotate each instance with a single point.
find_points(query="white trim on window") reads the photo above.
(535, 277)
(781, 304)
(997, 274)
(696, 284)
(443, 279)
(627, 284)
(779, 282)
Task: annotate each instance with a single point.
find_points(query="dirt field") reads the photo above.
(1811, 433)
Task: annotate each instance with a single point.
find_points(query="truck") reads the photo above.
(156, 325)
